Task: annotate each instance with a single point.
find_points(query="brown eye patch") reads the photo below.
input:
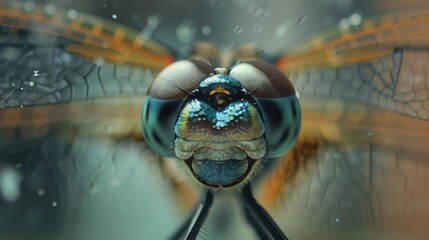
(262, 78)
(178, 79)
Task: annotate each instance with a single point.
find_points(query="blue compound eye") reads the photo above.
(164, 98)
(277, 102)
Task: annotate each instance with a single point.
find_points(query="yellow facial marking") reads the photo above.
(219, 89)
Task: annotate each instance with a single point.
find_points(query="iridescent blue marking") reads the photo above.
(223, 79)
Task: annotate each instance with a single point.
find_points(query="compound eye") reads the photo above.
(277, 101)
(178, 79)
(263, 79)
(164, 98)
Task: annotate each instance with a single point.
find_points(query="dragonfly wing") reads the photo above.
(74, 188)
(71, 157)
(361, 169)
(354, 191)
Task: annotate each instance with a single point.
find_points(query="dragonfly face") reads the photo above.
(221, 123)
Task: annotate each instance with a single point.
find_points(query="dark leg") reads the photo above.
(259, 218)
(193, 224)
(180, 233)
(200, 216)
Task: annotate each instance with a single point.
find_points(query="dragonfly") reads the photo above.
(75, 163)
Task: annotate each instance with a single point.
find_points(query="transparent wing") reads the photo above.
(360, 171)
(71, 156)
(353, 191)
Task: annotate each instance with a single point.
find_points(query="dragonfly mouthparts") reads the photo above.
(221, 174)
(219, 151)
(221, 164)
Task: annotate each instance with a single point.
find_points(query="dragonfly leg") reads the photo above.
(256, 215)
(180, 232)
(193, 224)
(199, 217)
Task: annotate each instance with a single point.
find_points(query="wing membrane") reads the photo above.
(360, 171)
(51, 56)
(93, 35)
(367, 41)
(398, 82)
(71, 91)
(355, 191)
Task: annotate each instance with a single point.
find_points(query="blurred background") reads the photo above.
(274, 26)
(73, 164)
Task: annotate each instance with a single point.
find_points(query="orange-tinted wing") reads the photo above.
(92, 37)
(71, 92)
(361, 168)
(361, 42)
(55, 56)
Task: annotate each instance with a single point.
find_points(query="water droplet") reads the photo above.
(114, 16)
(72, 14)
(343, 24)
(13, 84)
(206, 30)
(21, 106)
(259, 12)
(238, 29)
(297, 94)
(355, 19)
(22, 89)
(216, 4)
(282, 29)
(9, 184)
(50, 9)
(41, 192)
(29, 6)
(257, 28)
(301, 19)
(152, 21)
(186, 31)
(31, 83)
(337, 220)
(54, 204)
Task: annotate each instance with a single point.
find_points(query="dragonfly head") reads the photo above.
(221, 123)
(220, 132)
